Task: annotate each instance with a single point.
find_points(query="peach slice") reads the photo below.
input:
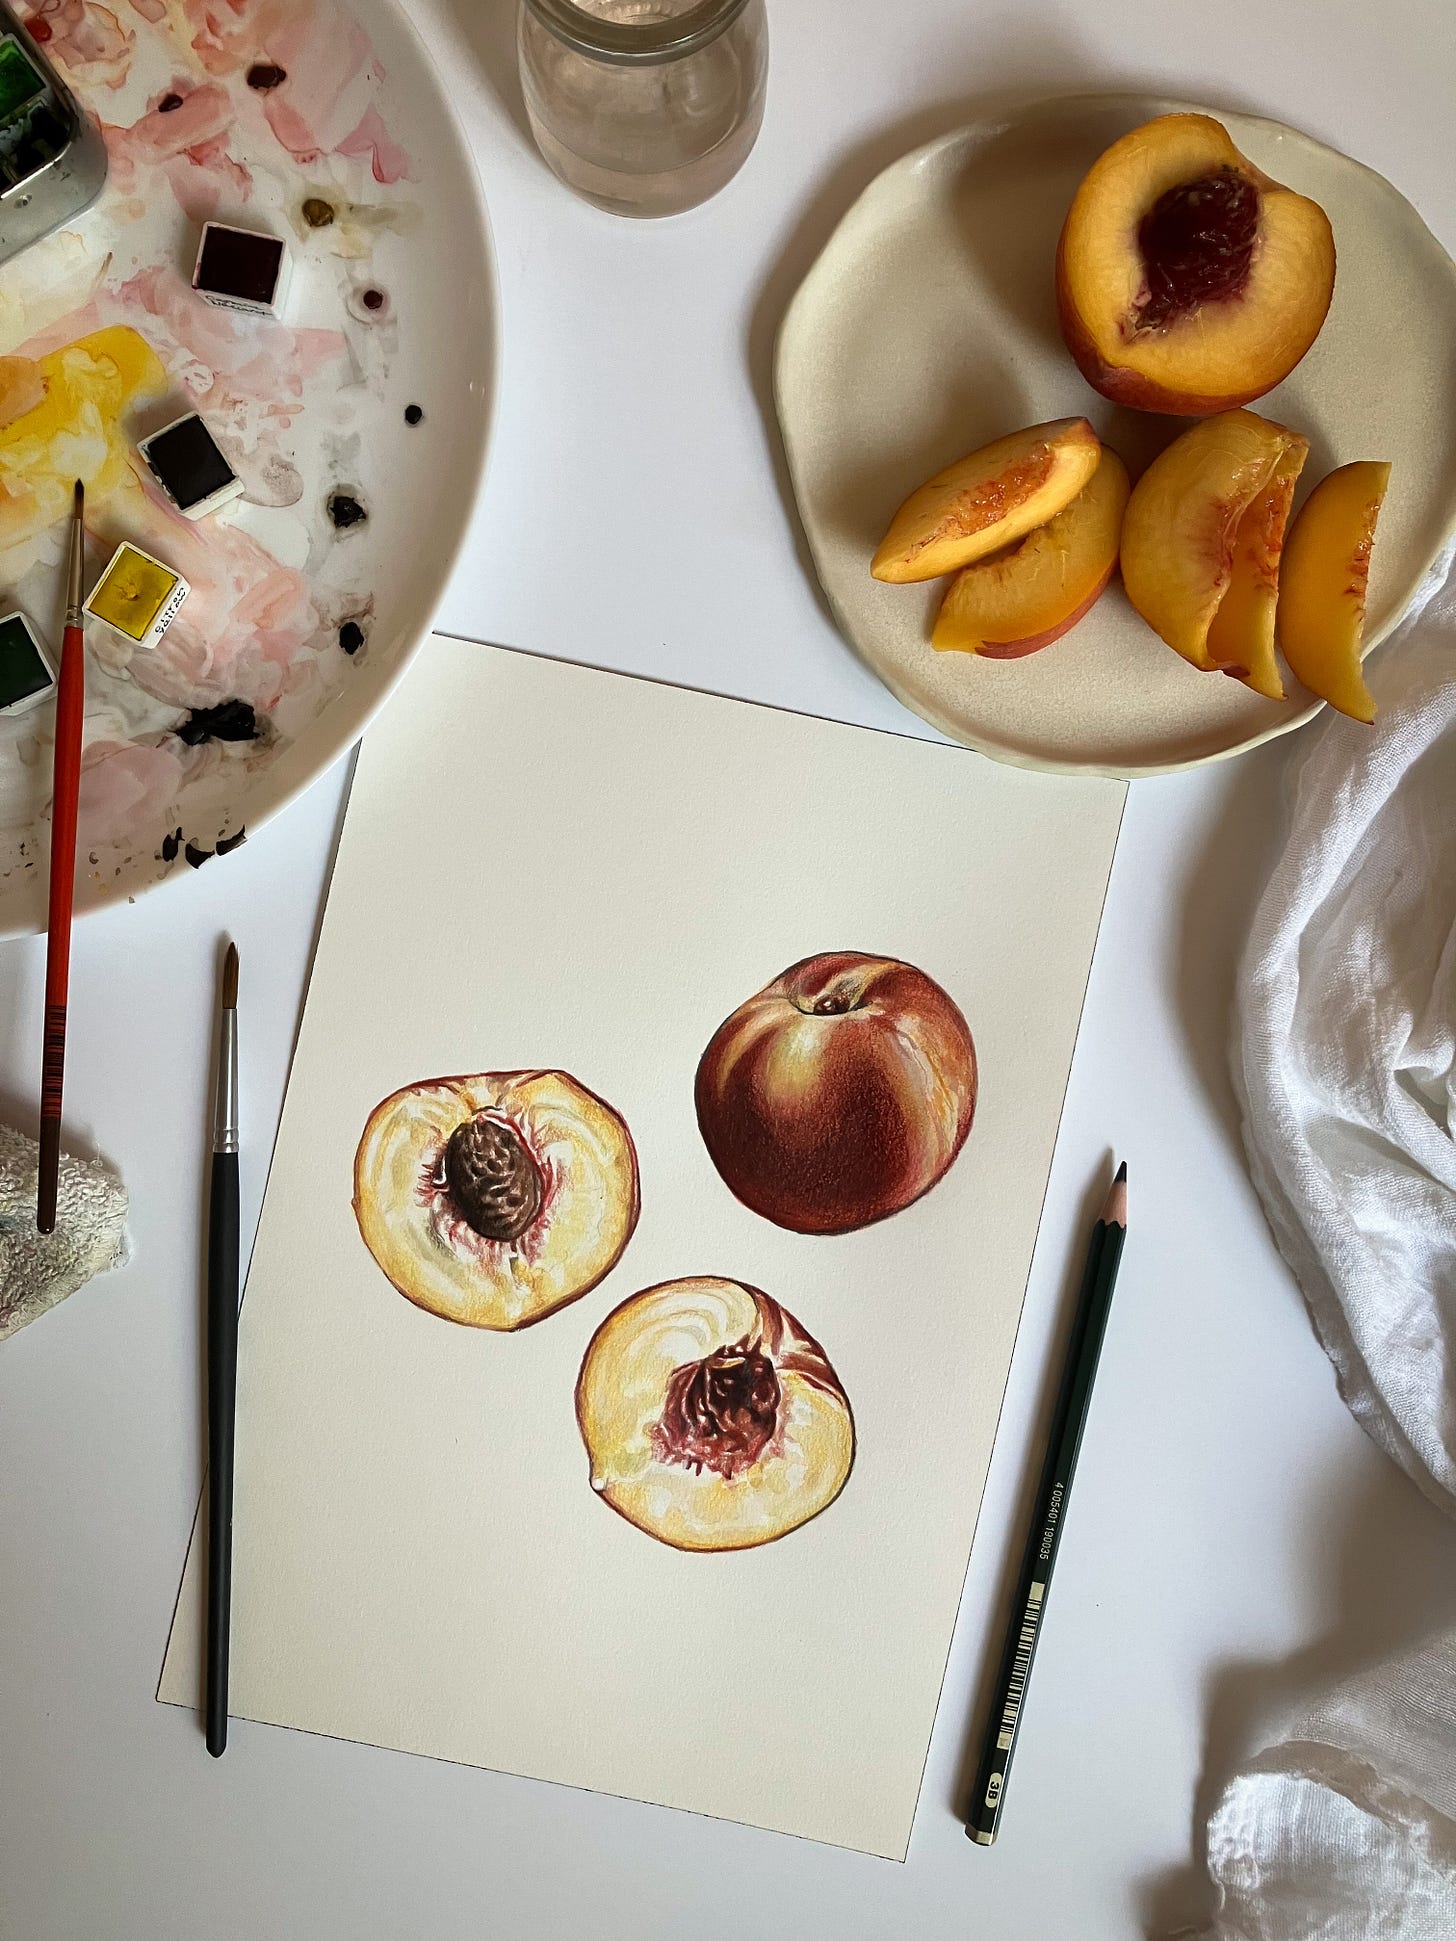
(1322, 588)
(1185, 541)
(496, 1198)
(1033, 593)
(986, 501)
(1241, 636)
(711, 1419)
(1187, 280)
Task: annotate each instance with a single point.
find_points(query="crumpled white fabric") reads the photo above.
(1345, 1065)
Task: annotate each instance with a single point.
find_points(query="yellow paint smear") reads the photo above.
(75, 430)
(132, 592)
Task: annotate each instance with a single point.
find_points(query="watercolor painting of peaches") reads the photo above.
(838, 1094)
(711, 1418)
(318, 121)
(495, 1199)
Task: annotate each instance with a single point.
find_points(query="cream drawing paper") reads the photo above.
(645, 1241)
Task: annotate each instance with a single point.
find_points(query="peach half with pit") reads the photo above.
(987, 500)
(712, 1420)
(1322, 589)
(1035, 591)
(839, 1093)
(1202, 539)
(496, 1198)
(1187, 280)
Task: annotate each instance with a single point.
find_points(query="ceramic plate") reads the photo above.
(357, 420)
(927, 327)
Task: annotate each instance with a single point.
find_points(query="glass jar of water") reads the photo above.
(645, 107)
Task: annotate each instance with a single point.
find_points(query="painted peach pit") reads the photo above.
(497, 1198)
(711, 1418)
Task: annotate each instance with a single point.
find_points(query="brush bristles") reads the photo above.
(78, 503)
(230, 979)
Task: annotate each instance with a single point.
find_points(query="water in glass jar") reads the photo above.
(646, 138)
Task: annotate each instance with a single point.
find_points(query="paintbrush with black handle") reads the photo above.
(222, 1356)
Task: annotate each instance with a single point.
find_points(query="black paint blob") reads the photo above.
(345, 511)
(170, 845)
(227, 721)
(351, 636)
(167, 103)
(317, 213)
(197, 857)
(227, 844)
(412, 414)
(266, 75)
(372, 299)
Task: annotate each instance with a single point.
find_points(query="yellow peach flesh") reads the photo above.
(1180, 536)
(1225, 352)
(620, 1397)
(1241, 637)
(1034, 591)
(1322, 588)
(987, 500)
(586, 1158)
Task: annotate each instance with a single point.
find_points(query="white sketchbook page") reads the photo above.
(545, 866)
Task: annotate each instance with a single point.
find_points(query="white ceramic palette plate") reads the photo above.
(245, 115)
(928, 327)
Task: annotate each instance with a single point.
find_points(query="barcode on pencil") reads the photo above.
(53, 1061)
(1020, 1667)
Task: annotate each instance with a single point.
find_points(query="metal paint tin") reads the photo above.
(52, 156)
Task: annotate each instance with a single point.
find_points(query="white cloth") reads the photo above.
(1345, 1065)
(1346, 1830)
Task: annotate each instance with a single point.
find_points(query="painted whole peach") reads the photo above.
(838, 1094)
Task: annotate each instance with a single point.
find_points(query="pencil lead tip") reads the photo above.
(1114, 1207)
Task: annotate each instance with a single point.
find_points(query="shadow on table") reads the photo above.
(1245, 833)
(1391, 1571)
(1030, 1475)
(488, 29)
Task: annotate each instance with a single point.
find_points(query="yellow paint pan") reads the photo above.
(137, 596)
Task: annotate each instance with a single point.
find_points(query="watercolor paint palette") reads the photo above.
(323, 125)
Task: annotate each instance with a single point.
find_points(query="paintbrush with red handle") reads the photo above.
(65, 796)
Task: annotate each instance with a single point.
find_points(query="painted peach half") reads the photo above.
(1037, 590)
(839, 1093)
(497, 1198)
(1187, 280)
(985, 501)
(711, 1419)
(1322, 590)
(1205, 526)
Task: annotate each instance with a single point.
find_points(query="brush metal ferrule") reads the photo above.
(75, 569)
(225, 1114)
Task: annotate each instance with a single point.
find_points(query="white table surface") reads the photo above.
(1235, 1542)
